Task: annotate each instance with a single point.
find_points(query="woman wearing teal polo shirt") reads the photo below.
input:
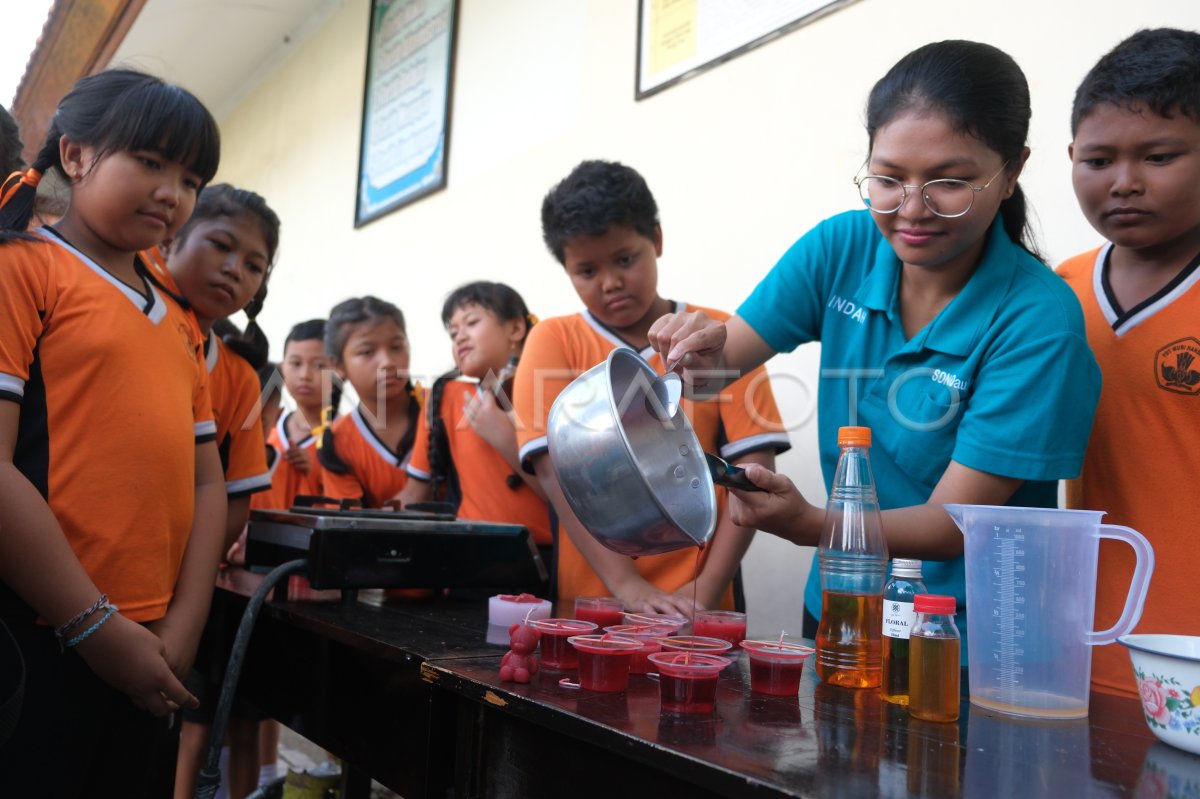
(941, 330)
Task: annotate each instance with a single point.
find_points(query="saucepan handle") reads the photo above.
(728, 475)
(1136, 598)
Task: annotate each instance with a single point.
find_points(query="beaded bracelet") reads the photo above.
(60, 632)
(109, 610)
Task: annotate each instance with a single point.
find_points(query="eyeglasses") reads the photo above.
(945, 197)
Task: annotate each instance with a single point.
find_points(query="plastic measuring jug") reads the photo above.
(1031, 599)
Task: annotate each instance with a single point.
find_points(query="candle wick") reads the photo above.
(781, 634)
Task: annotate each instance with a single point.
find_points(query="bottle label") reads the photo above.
(898, 618)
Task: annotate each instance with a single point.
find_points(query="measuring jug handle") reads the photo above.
(1136, 600)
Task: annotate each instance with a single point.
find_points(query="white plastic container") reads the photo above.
(1031, 598)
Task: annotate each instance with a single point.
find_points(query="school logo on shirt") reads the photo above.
(950, 380)
(1177, 367)
(189, 343)
(848, 308)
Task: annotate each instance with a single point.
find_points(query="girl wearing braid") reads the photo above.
(220, 261)
(112, 502)
(466, 438)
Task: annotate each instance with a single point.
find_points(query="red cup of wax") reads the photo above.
(776, 668)
(554, 651)
(604, 610)
(688, 681)
(727, 624)
(604, 661)
(645, 634)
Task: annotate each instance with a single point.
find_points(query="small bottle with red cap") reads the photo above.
(933, 665)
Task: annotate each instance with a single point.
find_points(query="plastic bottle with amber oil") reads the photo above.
(898, 617)
(852, 556)
(933, 660)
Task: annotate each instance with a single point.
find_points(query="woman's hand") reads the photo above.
(781, 509)
(693, 340)
(300, 459)
(133, 660)
(489, 421)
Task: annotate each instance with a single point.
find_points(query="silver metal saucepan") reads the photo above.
(639, 484)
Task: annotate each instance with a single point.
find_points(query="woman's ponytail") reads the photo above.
(1014, 214)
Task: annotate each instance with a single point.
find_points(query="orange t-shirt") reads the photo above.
(1143, 452)
(288, 482)
(376, 473)
(156, 264)
(561, 348)
(114, 399)
(482, 471)
(235, 394)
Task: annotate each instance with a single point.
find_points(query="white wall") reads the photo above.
(742, 159)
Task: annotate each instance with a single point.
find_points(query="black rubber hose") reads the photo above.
(209, 780)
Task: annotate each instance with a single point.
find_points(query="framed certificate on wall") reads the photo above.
(406, 104)
(678, 39)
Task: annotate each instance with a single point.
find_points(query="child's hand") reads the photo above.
(300, 459)
(132, 659)
(180, 641)
(237, 553)
(688, 590)
(489, 420)
(639, 596)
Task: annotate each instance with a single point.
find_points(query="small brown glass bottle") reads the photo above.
(933, 666)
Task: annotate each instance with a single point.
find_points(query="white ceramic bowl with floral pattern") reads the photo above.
(1167, 668)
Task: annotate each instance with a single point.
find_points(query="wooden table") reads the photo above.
(409, 692)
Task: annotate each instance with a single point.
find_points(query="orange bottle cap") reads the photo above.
(854, 437)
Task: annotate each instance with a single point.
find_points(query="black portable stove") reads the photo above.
(354, 548)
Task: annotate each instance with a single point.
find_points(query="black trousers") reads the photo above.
(76, 736)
